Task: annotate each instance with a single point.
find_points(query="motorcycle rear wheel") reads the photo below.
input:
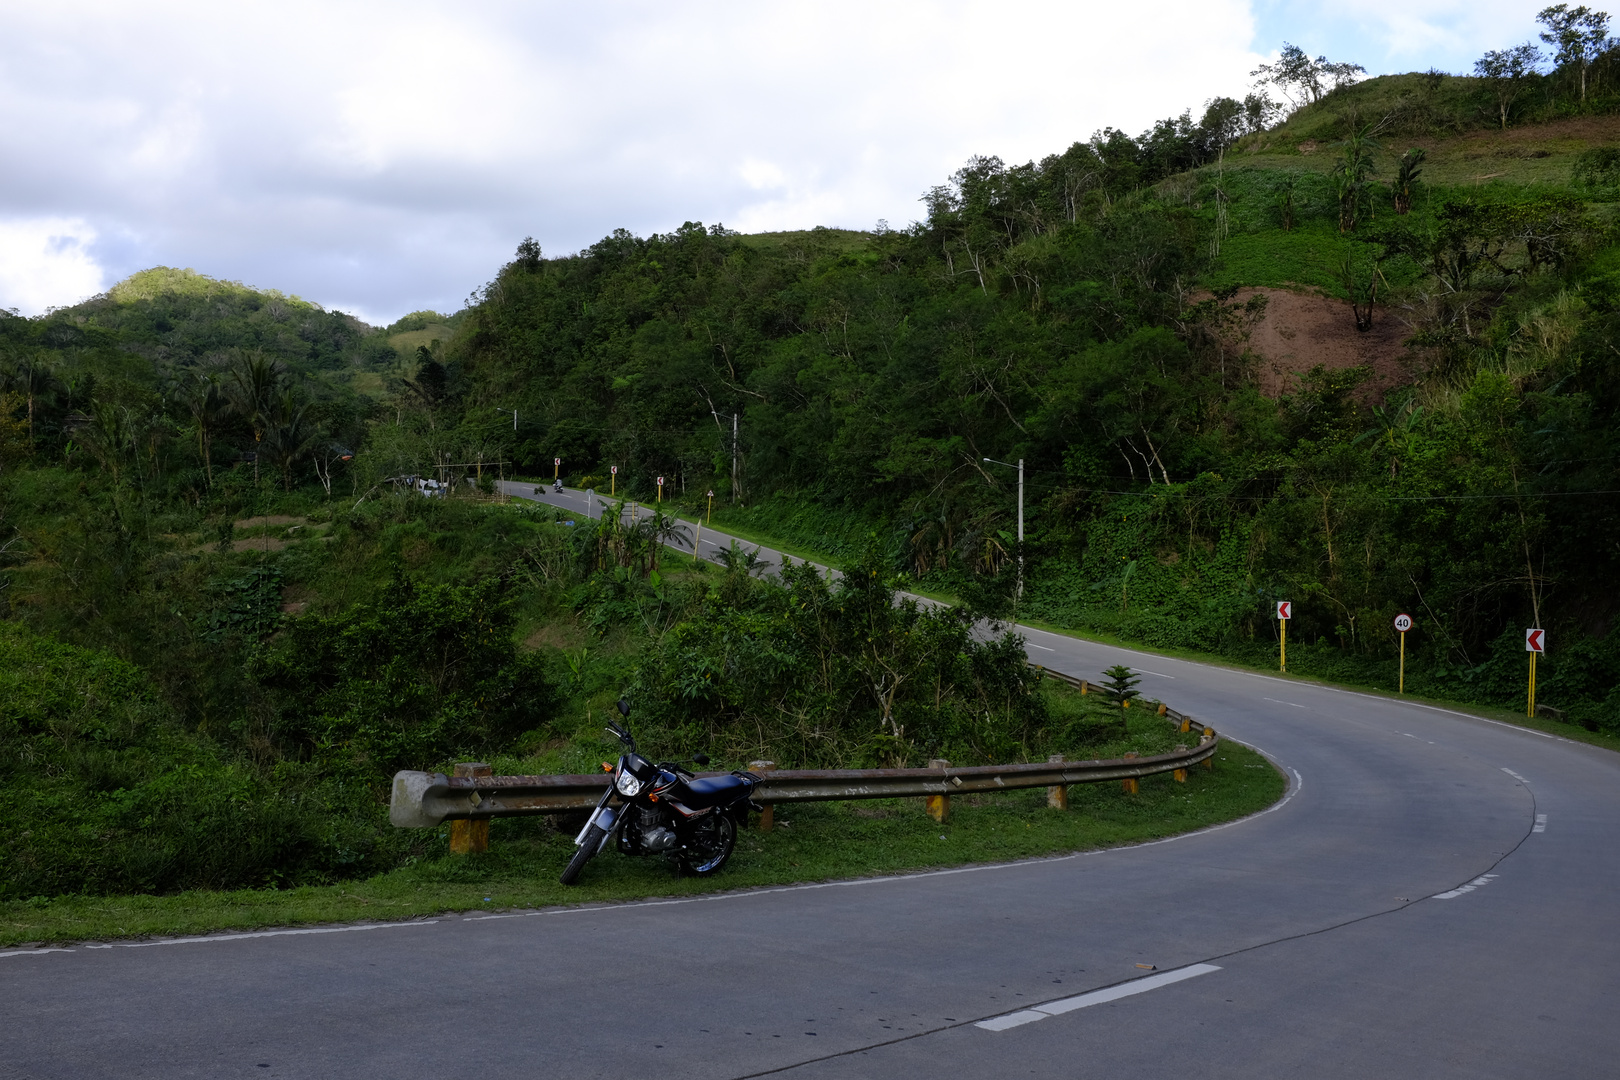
(582, 855)
(709, 844)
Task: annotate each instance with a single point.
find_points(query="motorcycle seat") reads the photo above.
(715, 791)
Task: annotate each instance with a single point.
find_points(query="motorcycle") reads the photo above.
(664, 809)
(556, 486)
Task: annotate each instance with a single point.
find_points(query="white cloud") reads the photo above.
(388, 157)
(46, 262)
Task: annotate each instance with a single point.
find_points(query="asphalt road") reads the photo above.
(1437, 897)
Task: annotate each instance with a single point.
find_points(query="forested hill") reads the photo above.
(1436, 433)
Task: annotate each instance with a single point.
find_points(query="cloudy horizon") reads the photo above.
(384, 160)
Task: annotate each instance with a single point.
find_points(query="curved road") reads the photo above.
(1437, 897)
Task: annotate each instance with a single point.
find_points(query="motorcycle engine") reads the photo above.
(645, 833)
(658, 839)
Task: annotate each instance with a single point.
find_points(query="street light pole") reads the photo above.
(1020, 468)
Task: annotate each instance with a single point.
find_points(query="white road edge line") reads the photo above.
(29, 952)
(210, 938)
(1515, 776)
(1032, 645)
(1095, 997)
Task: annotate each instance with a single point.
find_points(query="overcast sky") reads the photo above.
(382, 158)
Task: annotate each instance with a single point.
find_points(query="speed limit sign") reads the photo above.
(1403, 622)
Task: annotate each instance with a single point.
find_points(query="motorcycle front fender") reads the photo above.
(605, 817)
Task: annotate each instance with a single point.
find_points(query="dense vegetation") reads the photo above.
(230, 612)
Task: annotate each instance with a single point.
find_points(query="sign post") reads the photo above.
(710, 515)
(1403, 623)
(660, 491)
(1535, 643)
(1285, 611)
(556, 467)
(613, 482)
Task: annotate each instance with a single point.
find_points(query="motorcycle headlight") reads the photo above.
(627, 784)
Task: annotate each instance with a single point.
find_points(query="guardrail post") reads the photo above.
(1057, 796)
(1129, 783)
(467, 837)
(1180, 774)
(767, 816)
(1163, 708)
(939, 806)
(1209, 733)
(1186, 724)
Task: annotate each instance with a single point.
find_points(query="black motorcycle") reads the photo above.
(664, 810)
(557, 487)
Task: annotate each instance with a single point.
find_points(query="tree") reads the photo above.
(1507, 72)
(1579, 34)
(1406, 176)
(255, 383)
(289, 432)
(13, 431)
(209, 409)
(1355, 165)
(1303, 80)
(1121, 685)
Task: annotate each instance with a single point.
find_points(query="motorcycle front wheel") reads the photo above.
(709, 844)
(582, 855)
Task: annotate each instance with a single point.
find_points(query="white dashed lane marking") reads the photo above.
(1096, 997)
(1483, 879)
(1541, 823)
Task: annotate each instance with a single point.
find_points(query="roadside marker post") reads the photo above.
(660, 491)
(1403, 623)
(1535, 643)
(1285, 611)
(710, 515)
(556, 467)
(613, 482)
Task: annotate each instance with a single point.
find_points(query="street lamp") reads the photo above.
(1020, 468)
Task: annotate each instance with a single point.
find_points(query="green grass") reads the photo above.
(812, 842)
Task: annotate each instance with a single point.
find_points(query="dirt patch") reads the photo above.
(556, 636)
(269, 520)
(259, 543)
(1302, 330)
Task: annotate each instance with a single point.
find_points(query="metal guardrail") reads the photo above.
(424, 800)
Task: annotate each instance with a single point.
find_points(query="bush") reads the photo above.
(102, 791)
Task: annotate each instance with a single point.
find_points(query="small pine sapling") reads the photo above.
(1121, 686)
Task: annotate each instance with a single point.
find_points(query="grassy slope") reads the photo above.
(813, 842)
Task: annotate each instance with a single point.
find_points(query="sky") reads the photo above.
(385, 158)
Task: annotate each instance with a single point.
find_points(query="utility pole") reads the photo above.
(733, 450)
(1020, 468)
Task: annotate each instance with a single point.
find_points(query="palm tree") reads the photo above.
(289, 432)
(209, 409)
(255, 382)
(34, 379)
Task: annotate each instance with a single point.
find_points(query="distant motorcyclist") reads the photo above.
(556, 485)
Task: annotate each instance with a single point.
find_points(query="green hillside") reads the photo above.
(1360, 357)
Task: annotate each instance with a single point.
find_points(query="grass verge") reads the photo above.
(812, 842)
